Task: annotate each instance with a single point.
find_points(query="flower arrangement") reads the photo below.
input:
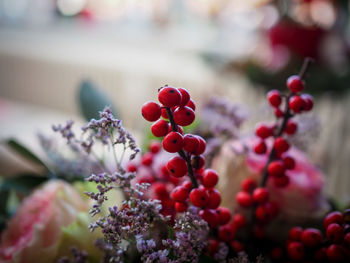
(171, 204)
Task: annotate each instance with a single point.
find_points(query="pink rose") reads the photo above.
(35, 231)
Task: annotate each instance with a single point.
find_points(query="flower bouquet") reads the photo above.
(196, 193)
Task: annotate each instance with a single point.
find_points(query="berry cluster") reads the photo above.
(312, 245)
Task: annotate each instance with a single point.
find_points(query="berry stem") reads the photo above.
(181, 152)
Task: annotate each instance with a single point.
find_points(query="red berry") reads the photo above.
(311, 237)
(191, 143)
(177, 166)
(263, 131)
(180, 207)
(335, 233)
(213, 246)
(146, 179)
(131, 168)
(295, 251)
(274, 97)
(308, 102)
(184, 116)
(226, 233)
(237, 246)
(201, 147)
(151, 111)
(334, 217)
(281, 181)
(261, 195)
(321, 254)
(199, 197)
(295, 84)
(224, 215)
(288, 162)
(160, 189)
(179, 194)
(154, 147)
(191, 104)
(164, 113)
(210, 178)
(179, 129)
(295, 233)
(187, 184)
(281, 145)
(278, 113)
(263, 213)
(277, 253)
(210, 217)
(248, 185)
(147, 159)
(276, 168)
(336, 253)
(214, 198)
(169, 96)
(173, 142)
(259, 232)
(198, 161)
(291, 127)
(296, 104)
(239, 220)
(347, 239)
(185, 96)
(244, 199)
(260, 147)
(160, 128)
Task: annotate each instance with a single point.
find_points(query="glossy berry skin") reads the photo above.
(191, 143)
(164, 113)
(295, 233)
(214, 198)
(151, 111)
(248, 185)
(210, 178)
(226, 233)
(201, 146)
(260, 147)
(308, 102)
(335, 253)
(199, 197)
(296, 104)
(191, 104)
(263, 131)
(281, 181)
(160, 128)
(244, 199)
(335, 233)
(185, 96)
(179, 194)
(295, 251)
(281, 145)
(239, 220)
(289, 162)
(224, 215)
(276, 168)
(291, 127)
(177, 166)
(147, 159)
(198, 162)
(180, 207)
(295, 84)
(263, 213)
(184, 116)
(261, 195)
(333, 217)
(274, 98)
(173, 142)
(187, 185)
(210, 216)
(311, 237)
(169, 96)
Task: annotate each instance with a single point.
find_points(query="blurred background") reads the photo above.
(130, 48)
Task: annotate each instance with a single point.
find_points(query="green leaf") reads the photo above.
(92, 100)
(23, 183)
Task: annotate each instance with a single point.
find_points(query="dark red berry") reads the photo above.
(336, 253)
(274, 97)
(321, 254)
(347, 239)
(276, 168)
(237, 246)
(333, 217)
(224, 215)
(210, 178)
(226, 233)
(151, 111)
(169, 96)
(147, 159)
(213, 246)
(260, 147)
(308, 102)
(277, 253)
(164, 113)
(199, 197)
(191, 104)
(160, 128)
(185, 96)
(201, 147)
(180, 207)
(198, 161)
(210, 217)
(291, 127)
(335, 233)
(295, 233)
(187, 184)
(261, 195)
(179, 129)
(281, 145)
(248, 185)
(239, 220)
(177, 166)
(311, 237)
(295, 84)
(131, 168)
(214, 198)
(184, 116)
(296, 104)
(278, 113)
(244, 199)
(295, 251)
(173, 142)
(191, 143)
(154, 147)
(263, 131)
(160, 189)
(258, 232)
(289, 162)
(281, 181)
(263, 213)
(179, 194)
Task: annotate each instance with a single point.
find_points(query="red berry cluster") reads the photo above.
(294, 103)
(310, 245)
